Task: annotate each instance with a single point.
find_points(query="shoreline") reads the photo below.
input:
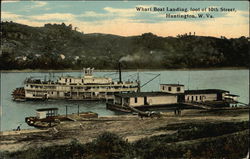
(128, 127)
(127, 70)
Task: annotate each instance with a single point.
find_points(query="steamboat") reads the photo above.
(86, 87)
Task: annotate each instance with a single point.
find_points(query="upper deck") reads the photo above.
(87, 80)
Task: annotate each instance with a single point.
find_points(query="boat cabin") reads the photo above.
(172, 88)
(144, 99)
(204, 95)
(46, 112)
(88, 78)
(231, 97)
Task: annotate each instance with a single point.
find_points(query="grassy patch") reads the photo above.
(192, 140)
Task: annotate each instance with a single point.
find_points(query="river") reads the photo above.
(14, 113)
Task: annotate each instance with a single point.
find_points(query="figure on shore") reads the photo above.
(18, 127)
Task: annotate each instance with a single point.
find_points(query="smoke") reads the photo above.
(152, 57)
(130, 58)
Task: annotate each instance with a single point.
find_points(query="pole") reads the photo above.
(188, 78)
(120, 73)
(138, 82)
(66, 111)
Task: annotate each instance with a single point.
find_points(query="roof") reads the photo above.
(143, 94)
(233, 95)
(206, 91)
(46, 109)
(172, 84)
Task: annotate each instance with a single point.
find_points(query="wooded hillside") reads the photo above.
(58, 46)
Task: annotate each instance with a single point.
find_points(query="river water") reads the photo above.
(14, 113)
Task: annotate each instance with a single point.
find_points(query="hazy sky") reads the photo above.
(122, 18)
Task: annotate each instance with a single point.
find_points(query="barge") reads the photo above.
(173, 97)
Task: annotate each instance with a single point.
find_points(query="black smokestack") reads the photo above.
(120, 72)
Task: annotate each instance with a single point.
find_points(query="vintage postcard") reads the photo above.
(124, 79)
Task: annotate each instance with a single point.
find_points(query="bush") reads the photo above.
(109, 145)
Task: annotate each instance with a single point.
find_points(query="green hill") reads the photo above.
(58, 46)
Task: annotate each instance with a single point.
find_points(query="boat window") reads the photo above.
(66, 80)
(169, 89)
(200, 98)
(135, 99)
(196, 97)
(162, 87)
(70, 80)
(178, 89)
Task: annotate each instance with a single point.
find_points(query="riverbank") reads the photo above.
(127, 70)
(198, 126)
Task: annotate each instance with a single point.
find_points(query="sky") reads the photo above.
(123, 18)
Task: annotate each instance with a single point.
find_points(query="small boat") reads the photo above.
(48, 117)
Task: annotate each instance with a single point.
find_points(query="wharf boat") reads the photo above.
(173, 97)
(86, 87)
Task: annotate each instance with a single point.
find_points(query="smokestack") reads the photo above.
(120, 73)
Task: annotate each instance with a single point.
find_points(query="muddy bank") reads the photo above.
(177, 135)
